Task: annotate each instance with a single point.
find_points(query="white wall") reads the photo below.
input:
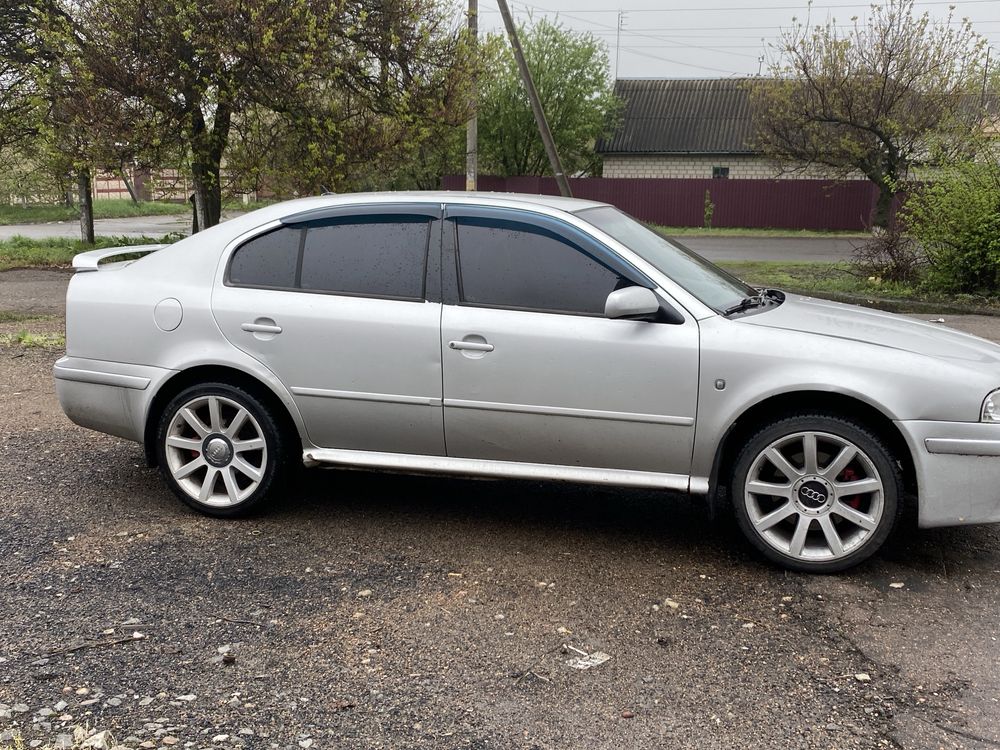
(745, 167)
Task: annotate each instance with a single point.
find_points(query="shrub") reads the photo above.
(709, 210)
(956, 219)
(890, 255)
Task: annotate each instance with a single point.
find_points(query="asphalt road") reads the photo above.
(825, 249)
(370, 610)
(817, 249)
(143, 226)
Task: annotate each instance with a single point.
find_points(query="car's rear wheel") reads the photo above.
(816, 493)
(220, 450)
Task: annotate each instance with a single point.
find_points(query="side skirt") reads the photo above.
(473, 467)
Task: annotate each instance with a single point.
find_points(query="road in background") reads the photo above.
(142, 226)
(796, 249)
(791, 249)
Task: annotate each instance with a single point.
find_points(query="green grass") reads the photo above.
(34, 340)
(762, 233)
(103, 209)
(840, 281)
(21, 252)
(12, 316)
(827, 277)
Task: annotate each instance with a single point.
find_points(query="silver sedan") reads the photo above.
(527, 337)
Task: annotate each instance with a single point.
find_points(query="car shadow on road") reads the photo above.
(676, 524)
(664, 519)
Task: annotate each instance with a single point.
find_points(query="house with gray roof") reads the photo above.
(684, 128)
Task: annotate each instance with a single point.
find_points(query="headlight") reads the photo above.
(991, 408)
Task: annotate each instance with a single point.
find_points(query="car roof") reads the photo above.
(489, 198)
(294, 207)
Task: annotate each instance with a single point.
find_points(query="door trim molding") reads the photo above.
(474, 467)
(562, 411)
(389, 398)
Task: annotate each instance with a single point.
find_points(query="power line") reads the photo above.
(775, 27)
(714, 27)
(677, 44)
(742, 8)
(710, 49)
(678, 62)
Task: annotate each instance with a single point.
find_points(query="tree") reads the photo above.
(571, 73)
(52, 115)
(42, 98)
(18, 105)
(337, 80)
(871, 99)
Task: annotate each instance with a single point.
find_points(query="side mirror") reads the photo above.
(635, 302)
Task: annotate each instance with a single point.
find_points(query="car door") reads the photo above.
(336, 305)
(534, 372)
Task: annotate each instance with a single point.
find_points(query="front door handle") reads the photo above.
(474, 346)
(261, 325)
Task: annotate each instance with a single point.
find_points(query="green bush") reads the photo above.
(956, 219)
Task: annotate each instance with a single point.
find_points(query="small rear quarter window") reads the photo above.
(267, 260)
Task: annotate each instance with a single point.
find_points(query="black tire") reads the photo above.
(271, 461)
(881, 460)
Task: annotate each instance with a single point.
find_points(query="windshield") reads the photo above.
(709, 283)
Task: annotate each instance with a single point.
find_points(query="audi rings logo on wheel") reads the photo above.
(815, 495)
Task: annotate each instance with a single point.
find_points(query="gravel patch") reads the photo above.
(383, 611)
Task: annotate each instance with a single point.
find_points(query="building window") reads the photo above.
(720, 173)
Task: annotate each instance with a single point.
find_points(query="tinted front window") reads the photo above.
(379, 257)
(510, 264)
(707, 282)
(267, 260)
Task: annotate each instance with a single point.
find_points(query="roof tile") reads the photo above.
(682, 116)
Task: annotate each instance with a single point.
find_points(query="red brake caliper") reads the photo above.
(850, 475)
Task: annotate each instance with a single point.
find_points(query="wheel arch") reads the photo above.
(215, 373)
(791, 403)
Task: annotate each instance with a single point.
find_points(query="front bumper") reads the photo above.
(111, 397)
(958, 471)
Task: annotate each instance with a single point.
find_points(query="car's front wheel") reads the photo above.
(816, 493)
(219, 449)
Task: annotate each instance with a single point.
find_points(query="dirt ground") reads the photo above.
(382, 611)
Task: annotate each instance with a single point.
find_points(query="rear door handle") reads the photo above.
(474, 346)
(260, 327)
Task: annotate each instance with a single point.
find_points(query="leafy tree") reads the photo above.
(18, 105)
(59, 120)
(571, 74)
(873, 98)
(315, 88)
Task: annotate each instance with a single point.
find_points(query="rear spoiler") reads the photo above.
(90, 260)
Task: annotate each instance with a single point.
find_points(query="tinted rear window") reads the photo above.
(375, 256)
(378, 257)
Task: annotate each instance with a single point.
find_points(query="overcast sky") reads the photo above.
(713, 38)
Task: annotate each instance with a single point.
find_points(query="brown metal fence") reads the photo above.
(778, 204)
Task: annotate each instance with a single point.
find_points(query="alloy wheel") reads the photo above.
(814, 496)
(216, 451)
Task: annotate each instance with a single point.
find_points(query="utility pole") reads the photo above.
(536, 104)
(618, 44)
(472, 127)
(986, 77)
